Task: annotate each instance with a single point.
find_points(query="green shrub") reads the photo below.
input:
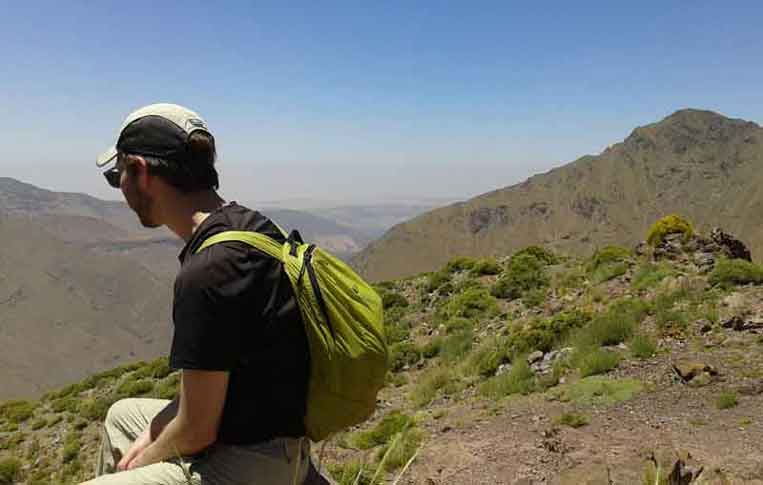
(17, 411)
(158, 369)
(398, 451)
(351, 473)
(437, 280)
(39, 423)
(614, 326)
(432, 348)
(458, 324)
(595, 360)
(599, 390)
(518, 380)
(534, 298)
(537, 252)
(732, 272)
(429, 384)
(391, 299)
(459, 264)
(133, 388)
(13, 441)
(10, 471)
(544, 334)
(390, 425)
(573, 278)
(525, 273)
(95, 408)
(53, 420)
(397, 333)
(486, 359)
(455, 346)
(472, 303)
(650, 275)
(403, 354)
(167, 388)
(727, 400)
(642, 347)
(71, 447)
(603, 274)
(65, 404)
(573, 420)
(608, 255)
(671, 224)
(486, 266)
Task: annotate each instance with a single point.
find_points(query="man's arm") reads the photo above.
(194, 427)
(150, 434)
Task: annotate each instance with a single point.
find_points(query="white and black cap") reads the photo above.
(159, 130)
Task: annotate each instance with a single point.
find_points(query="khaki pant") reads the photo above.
(282, 461)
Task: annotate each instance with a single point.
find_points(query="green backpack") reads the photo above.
(344, 323)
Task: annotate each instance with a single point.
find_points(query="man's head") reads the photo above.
(161, 148)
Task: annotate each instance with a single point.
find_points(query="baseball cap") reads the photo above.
(159, 130)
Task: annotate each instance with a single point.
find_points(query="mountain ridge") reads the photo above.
(692, 162)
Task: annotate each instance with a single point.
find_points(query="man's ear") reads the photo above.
(140, 172)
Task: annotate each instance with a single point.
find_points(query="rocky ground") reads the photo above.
(533, 369)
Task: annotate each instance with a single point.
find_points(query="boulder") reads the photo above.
(732, 247)
(534, 357)
(689, 369)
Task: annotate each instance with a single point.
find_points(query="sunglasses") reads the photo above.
(113, 177)
(114, 174)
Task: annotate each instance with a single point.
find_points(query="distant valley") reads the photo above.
(84, 287)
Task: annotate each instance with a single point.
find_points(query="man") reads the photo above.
(238, 338)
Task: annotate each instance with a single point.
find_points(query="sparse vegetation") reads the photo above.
(17, 411)
(544, 334)
(642, 347)
(650, 275)
(382, 433)
(599, 390)
(595, 360)
(573, 420)
(472, 303)
(727, 400)
(733, 272)
(486, 266)
(403, 354)
(525, 272)
(607, 263)
(538, 252)
(10, 471)
(429, 385)
(518, 380)
(672, 224)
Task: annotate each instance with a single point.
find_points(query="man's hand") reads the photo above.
(140, 444)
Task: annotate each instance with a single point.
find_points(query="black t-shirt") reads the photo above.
(234, 310)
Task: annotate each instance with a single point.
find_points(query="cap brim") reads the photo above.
(106, 157)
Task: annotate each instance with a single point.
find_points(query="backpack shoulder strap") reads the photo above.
(257, 240)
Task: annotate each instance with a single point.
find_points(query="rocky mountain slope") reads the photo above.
(536, 368)
(696, 163)
(81, 276)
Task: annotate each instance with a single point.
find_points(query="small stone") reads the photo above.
(704, 325)
(736, 323)
(534, 357)
(701, 380)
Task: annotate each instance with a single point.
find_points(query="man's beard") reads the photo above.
(141, 204)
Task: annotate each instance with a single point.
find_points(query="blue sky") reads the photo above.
(358, 101)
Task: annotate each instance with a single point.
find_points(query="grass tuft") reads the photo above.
(727, 400)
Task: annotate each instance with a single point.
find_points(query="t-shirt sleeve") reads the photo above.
(208, 329)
